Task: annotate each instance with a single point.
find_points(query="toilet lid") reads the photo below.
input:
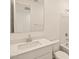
(61, 55)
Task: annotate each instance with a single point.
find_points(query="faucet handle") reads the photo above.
(66, 34)
(29, 39)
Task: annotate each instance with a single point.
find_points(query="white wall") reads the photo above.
(64, 21)
(53, 8)
(51, 19)
(64, 28)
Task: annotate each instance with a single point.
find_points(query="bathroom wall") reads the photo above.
(51, 19)
(56, 19)
(64, 21)
(53, 11)
(64, 29)
(21, 37)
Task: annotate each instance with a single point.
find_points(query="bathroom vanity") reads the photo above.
(38, 49)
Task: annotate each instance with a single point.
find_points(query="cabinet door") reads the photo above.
(29, 55)
(48, 55)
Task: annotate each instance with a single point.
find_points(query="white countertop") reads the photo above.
(15, 51)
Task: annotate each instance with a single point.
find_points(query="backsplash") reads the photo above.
(21, 37)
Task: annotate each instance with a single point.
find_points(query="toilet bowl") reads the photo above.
(61, 55)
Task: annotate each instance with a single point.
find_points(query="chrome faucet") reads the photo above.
(29, 39)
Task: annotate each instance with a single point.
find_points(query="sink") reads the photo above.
(29, 45)
(25, 47)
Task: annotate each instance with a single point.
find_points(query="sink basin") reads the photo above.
(29, 45)
(25, 47)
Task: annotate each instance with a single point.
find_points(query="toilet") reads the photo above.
(61, 55)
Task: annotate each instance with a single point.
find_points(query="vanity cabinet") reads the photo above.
(41, 53)
(47, 55)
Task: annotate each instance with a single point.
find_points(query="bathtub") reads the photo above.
(65, 47)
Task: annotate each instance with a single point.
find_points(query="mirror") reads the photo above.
(27, 16)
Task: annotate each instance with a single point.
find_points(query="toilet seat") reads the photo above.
(61, 55)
